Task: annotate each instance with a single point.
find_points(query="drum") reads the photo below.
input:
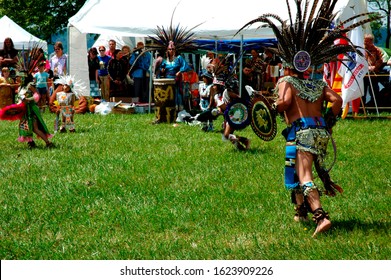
(164, 95)
(6, 96)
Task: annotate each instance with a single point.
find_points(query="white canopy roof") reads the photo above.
(140, 19)
(21, 38)
(217, 18)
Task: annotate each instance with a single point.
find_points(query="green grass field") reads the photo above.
(121, 188)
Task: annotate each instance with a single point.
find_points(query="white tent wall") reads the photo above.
(355, 7)
(103, 40)
(77, 57)
(211, 19)
(21, 38)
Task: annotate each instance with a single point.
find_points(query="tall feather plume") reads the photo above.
(183, 38)
(221, 67)
(310, 30)
(28, 58)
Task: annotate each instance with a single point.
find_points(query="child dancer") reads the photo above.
(66, 99)
(32, 121)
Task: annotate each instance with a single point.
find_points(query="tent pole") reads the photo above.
(373, 93)
(241, 66)
(150, 83)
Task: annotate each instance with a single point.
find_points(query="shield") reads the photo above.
(237, 114)
(263, 118)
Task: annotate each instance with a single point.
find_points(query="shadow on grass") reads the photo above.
(357, 225)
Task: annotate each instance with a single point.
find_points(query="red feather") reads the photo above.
(13, 112)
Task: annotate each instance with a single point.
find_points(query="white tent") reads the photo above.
(103, 40)
(21, 38)
(216, 19)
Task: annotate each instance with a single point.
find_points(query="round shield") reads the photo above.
(237, 114)
(263, 118)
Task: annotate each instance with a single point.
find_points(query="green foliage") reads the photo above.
(41, 18)
(121, 188)
(376, 30)
(384, 8)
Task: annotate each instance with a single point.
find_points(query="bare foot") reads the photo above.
(323, 225)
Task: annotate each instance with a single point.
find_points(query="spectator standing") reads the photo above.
(41, 79)
(273, 65)
(103, 74)
(93, 66)
(58, 62)
(125, 58)
(374, 57)
(117, 73)
(112, 48)
(190, 92)
(8, 55)
(257, 67)
(140, 62)
(126, 54)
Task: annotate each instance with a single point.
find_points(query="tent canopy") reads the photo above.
(21, 38)
(211, 19)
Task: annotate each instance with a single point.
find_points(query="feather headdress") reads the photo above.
(205, 61)
(224, 71)
(181, 38)
(308, 39)
(77, 87)
(28, 59)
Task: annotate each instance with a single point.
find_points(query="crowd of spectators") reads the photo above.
(125, 72)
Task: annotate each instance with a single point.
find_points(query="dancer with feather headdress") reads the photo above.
(225, 100)
(27, 110)
(172, 41)
(307, 40)
(64, 99)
